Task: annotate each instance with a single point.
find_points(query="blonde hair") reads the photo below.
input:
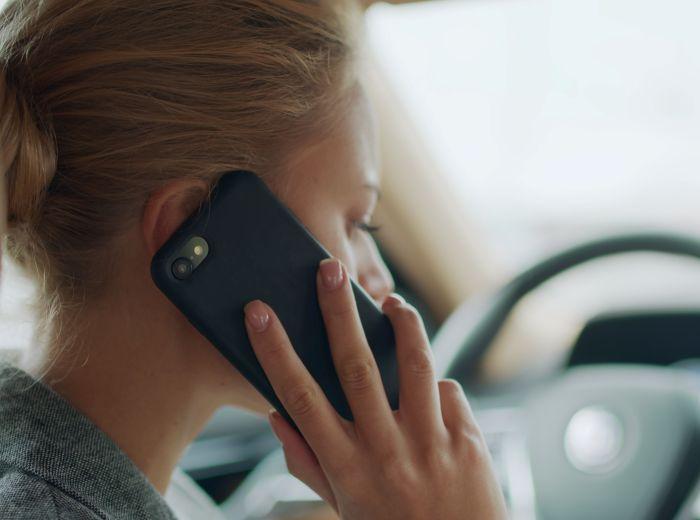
(103, 101)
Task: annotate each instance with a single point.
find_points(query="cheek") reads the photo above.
(331, 232)
(327, 224)
(340, 246)
(373, 273)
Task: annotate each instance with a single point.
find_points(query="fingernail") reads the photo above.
(257, 316)
(393, 300)
(331, 273)
(272, 417)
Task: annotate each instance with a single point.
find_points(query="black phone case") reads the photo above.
(259, 250)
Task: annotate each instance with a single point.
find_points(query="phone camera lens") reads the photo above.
(182, 268)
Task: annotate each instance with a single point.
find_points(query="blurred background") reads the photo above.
(510, 129)
(554, 119)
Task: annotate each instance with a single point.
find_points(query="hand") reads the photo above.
(427, 460)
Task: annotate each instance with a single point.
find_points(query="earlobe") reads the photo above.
(167, 208)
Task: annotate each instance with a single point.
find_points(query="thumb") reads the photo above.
(301, 460)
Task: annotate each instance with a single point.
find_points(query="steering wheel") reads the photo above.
(603, 441)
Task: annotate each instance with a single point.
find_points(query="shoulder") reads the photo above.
(25, 497)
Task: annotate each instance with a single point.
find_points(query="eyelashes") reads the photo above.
(368, 228)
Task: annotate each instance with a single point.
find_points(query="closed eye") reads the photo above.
(369, 228)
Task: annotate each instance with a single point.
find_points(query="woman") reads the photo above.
(117, 117)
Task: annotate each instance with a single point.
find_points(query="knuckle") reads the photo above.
(395, 468)
(420, 363)
(438, 459)
(275, 346)
(471, 444)
(388, 455)
(357, 373)
(300, 400)
(340, 311)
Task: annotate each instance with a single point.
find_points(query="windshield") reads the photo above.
(557, 122)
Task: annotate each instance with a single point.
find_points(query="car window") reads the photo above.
(558, 122)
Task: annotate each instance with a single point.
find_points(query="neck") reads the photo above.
(136, 378)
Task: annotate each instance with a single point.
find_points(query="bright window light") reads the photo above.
(555, 120)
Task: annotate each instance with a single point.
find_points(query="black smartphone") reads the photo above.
(245, 244)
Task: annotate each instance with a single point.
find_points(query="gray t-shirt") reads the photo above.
(56, 464)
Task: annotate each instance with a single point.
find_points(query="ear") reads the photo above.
(168, 207)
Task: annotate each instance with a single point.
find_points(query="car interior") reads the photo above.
(539, 178)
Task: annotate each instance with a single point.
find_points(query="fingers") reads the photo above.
(456, 412)
(353, 359)
(418, 391)
(301, 460)
(296, 388)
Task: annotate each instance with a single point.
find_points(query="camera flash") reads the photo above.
(198, 250)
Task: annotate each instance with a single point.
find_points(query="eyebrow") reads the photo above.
(375, 189)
